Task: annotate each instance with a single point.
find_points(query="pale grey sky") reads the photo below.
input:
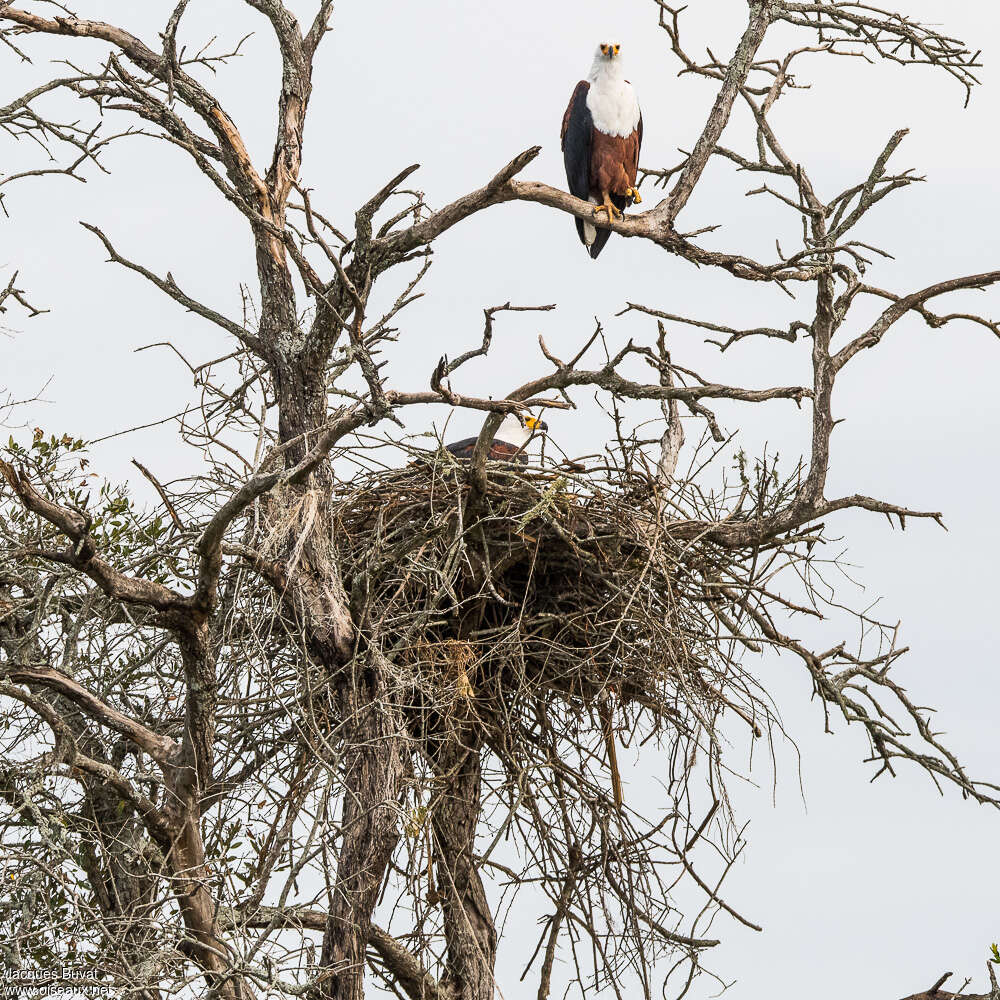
(863, 890)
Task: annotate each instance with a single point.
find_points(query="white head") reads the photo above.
(607, 60)
(518, 430)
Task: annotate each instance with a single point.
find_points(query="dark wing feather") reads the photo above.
(463, 448)
(603, 235)
(500, 451)
(577, 138)
(633, 168)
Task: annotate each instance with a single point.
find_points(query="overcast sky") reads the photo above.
(862, 890)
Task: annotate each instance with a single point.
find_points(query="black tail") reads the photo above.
(598, 245)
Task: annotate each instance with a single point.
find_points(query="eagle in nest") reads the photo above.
(601, 135)
(509, 443)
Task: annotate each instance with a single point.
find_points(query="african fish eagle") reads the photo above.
(601, 135)
(509, 443)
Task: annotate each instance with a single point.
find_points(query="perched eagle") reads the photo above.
(508, 444)
(601, 135)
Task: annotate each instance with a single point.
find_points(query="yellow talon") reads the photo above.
(609, 208)
(633, 193)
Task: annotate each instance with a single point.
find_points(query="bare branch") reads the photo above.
(161, 748)
(874, 334)
(169, 287)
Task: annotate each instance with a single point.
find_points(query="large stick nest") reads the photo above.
(549, 586)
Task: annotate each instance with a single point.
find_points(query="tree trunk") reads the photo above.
(468, 922)
(374, 772)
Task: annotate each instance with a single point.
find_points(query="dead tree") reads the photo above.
(306, 722)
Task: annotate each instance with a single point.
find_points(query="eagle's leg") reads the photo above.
(633, 193)
(612, 212)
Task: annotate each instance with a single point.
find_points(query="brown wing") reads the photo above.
(638, 148)
(500, 451)
(463, 448)
(632, 146)
(503, 451)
